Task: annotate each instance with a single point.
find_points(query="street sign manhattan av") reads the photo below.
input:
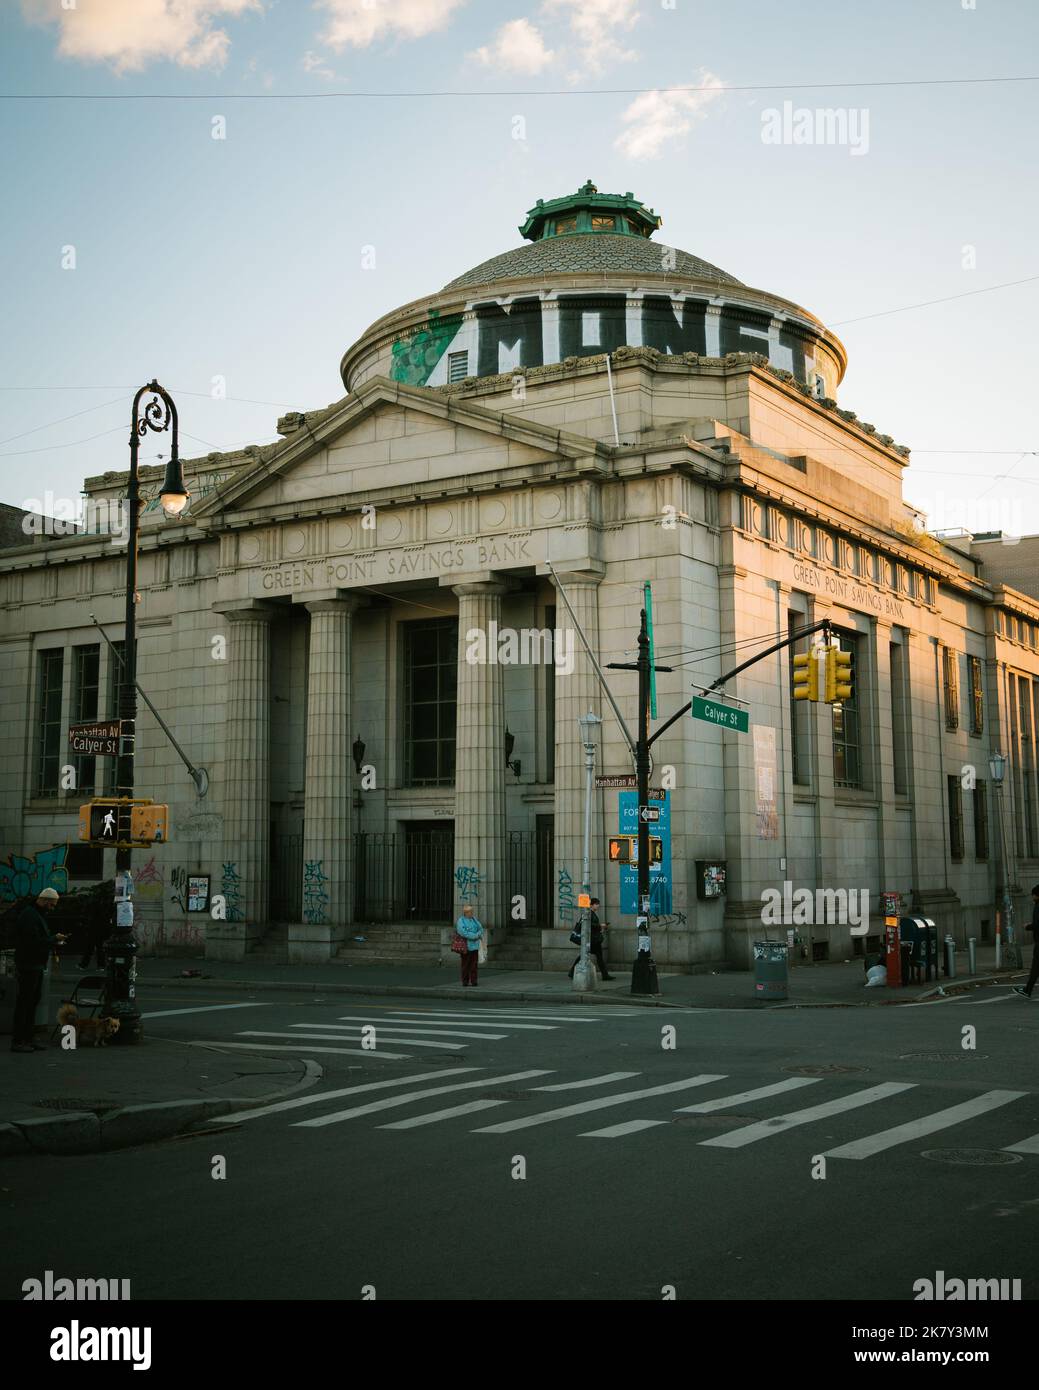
(721, 716)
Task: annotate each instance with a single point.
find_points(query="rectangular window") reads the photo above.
(955, 816)
(981, 820)
(847, 726)
(899, 717)
(48, 719)
(977, 696)
(950, 675)
(457, 366)
(1027, 766)
(799, 716)
(86, 665)
(602, 224)
(565, 224)
(430, 668)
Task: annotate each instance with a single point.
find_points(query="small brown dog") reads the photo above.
(91, 1032)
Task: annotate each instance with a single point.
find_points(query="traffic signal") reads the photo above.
(99, 820)
(656, 850)
(806, 677)
(838, 676)
(150, 824)
(620, 849)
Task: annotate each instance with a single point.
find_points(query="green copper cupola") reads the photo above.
(588, 210)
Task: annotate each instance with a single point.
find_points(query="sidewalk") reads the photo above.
(92, 1098)
(827, 985)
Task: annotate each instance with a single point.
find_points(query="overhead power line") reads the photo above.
(512, 92)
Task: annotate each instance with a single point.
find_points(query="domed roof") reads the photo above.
(595, 252)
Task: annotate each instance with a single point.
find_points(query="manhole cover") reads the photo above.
(823, 1069)
(973, 1158)
(941, 1056)
(714, 1121)
(74, 1103)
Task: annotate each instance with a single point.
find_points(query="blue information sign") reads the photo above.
(659, 874)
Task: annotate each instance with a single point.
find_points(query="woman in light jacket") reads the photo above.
(470, 928)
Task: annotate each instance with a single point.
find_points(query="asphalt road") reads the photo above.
(494, 1151)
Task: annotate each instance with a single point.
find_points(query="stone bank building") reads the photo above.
(304, 629)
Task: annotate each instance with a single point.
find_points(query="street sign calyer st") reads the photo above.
(721, 716)
(99, 738)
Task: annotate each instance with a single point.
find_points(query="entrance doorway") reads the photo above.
(429, 855)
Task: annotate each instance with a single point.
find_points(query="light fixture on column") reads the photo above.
(997, 766)
(510, 761)
(358, 752)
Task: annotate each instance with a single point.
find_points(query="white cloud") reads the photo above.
(357, 23)
(659, 120)
(596, 25)
(313, 62)
(130, 34)
(517, 47)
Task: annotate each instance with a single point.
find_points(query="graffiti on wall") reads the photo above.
(531, 331)
(179, 884)
(147, 882)
(468, 880)
(231, 888)
(567, 899)
(23, 877)
(315, 899)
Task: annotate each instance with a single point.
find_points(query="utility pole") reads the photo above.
(644, 970)
(584, 973)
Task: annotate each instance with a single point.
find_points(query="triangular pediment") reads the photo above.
(388, 435)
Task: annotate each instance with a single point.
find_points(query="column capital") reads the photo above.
(588, 572)
(245, 609)
(486, 588)
(332, 601)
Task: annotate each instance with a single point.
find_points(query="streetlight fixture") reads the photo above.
(584, 971)
(997, 766)
(159, 415)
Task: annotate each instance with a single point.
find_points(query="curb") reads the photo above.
(969, 981)
(86, 1132)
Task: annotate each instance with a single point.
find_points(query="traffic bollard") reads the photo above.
(972, 955)
(950, 957)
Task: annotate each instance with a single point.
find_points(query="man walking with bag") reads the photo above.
(595, 948)
(1033, 927)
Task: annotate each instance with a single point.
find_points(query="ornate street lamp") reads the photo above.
(510, 761)
(997, 766)
(159, 415)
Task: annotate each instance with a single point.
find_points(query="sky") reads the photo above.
(237, 269)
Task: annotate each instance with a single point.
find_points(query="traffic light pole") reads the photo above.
(121, 947)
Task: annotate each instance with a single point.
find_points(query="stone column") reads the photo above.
(328, 817)
(576, 694)
(246, 792)
(480, 852)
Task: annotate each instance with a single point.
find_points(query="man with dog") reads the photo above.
(34, 942)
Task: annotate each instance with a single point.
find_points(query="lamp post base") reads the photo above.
(584, 977)
(644, 975)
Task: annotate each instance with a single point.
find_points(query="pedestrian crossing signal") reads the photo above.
(99, 820)
(620, 849)
(838, 676)
(806, 677)
(148, 824)
(624, 849)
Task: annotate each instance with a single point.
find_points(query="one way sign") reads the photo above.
(649, 813)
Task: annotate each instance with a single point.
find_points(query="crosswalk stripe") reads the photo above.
(601, 1103)
(409, 1019)
(323, 1096)
(927, 1124)
(592, 1081)
(447, 1114)
(485, 1015)
(199, 1009)
(616, 1131)
(381, 1053)
(1026, 1146)
(723, 1102)
(331, 1037)
(415, 1095)
(737, 1138)
(404, 1030)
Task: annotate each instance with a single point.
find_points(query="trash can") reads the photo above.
(771, 969)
